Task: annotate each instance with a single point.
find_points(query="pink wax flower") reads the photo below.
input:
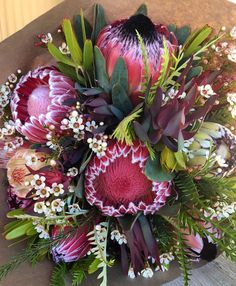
(117, 185)
(120, 39)
(37, 102)
(74, 246)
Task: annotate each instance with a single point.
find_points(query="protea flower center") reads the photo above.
(117, 185)
(120, 39)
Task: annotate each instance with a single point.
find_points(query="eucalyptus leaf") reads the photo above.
(120, 99)
(142, 10)
(75, 50)
(120, 74)
(155, 172)
(58, 56)
(127, 221)
(194, 72)
(86, 160)
(182, 34)
(13, 213)
(80, 187)
(169, 210)
(99, 21)
(101, 73)
(70, 72)
(172, 28)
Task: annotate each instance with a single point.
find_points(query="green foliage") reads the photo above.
(99, 21)
(58, 56)
(82, 28)
(75, 50)
(101, 74)
(88, 56)
(77, 277)
(221, 116)
(195, 40)
(156, 172)
(124, 131)
(181, 253)
(80, 268)
(58, 275)
(186, 188)
(142, 10)
(99, 249)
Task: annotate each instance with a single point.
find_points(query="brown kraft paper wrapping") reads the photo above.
(18, 51)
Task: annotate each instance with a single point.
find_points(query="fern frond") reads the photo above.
(124, 131)
(77, 277)
(58, 275)
(221, 116)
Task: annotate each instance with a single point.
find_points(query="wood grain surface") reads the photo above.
(18, 51)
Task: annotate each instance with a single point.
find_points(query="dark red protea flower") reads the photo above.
(117, 185)
(120, 39)
(37, 102)
(74, 246)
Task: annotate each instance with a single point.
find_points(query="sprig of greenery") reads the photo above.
(124, 131)
(58, 275)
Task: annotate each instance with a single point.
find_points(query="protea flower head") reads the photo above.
(15, 202)
(117, 185)
(120, 39)
(37, 102)
(224, 141)
(202, 247)
(74, 246)
(17, 172)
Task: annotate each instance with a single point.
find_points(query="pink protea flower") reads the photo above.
(74, 246)
(202, 247)
(117, 185)
(120, 39)
(37, 102)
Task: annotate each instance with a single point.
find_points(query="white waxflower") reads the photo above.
(57, 189)
(44, 192)
(40, 207)
(73, 172)
(147, 272)
(19, 141)
(64, 49)
(233, 32)
(65, 124)
(206, 90)
(98, 144)
(9, 146)
(77, 123)
(79, 136)
(74, 208)
(115, 235)
(71, 189)
(52, 145)
(232, 55)
(31, 160)
(4, 90)
(131, 273)
(91, 126)
(57, 205)
(221, 161)
(38, 182)
(46, 38)
(44, 234)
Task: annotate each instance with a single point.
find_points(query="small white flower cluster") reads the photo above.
(145, 273)
(171, 93)
(100, 231)
(76, 122)
(165, 259)
(98, 144)
(4, 97)
(222, 210)
(73, 172)
(232, 54)
(14, 144)
(46, 38)
(31, 160)
(64, 49)
(49, 208)
(206, 91)
(41, 230)
(120, 238)
(231, 98)
(8, 129)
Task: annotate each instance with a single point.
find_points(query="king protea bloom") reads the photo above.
(117, 185)
(37, 102)
(74, 246)
(120, 40)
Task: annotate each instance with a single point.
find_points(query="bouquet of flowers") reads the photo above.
(123, 150)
